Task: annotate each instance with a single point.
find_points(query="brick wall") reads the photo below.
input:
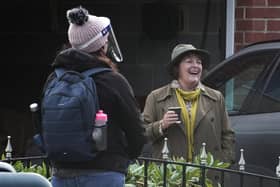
(256, 20)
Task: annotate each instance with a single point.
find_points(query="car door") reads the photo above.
(250, 82)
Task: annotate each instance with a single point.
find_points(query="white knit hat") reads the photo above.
(85, 31)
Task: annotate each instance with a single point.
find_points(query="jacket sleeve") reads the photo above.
(130, 119)
(228, 135)
(151, 118)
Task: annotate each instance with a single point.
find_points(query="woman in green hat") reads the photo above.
(203, 116)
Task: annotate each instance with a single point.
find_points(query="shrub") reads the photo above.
(135, 176)
(173, 173)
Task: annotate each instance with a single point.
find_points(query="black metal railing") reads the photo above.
(238, 181)
(30, 160)
(202, 182)
(227, 177)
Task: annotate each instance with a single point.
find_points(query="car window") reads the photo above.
(238, 88)
(270, 101)
(245, 84)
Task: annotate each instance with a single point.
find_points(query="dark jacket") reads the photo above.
(125, 131)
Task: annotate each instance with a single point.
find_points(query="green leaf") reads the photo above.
(3, 157)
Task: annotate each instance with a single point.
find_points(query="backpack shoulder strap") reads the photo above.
(93, 71)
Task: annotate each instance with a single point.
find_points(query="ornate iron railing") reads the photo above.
(236, 177)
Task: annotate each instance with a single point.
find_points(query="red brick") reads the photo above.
(250, 2)
(251, 37)
(273, 2)
(273, 25)
(237, 47)
(239, 13)
(262, 12)
(250, 25)
(239, 37)
(272, 36)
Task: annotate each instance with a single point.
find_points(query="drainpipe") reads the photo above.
(230, 29)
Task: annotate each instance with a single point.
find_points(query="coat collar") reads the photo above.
(174, 84)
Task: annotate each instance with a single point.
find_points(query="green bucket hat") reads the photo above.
(181, 50)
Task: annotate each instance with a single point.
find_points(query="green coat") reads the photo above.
(211, 124)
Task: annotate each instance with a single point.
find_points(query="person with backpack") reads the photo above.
(67, 119)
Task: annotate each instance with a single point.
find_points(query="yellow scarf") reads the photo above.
(188, 101)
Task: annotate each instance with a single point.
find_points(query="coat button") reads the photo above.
(212, 119)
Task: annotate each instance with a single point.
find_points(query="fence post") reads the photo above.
(184, 176)
(146, 164)
(165, 156)
(203, 161)
(241, 166)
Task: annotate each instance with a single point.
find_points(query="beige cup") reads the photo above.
(177, 110)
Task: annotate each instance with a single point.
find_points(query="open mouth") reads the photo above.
(194, 72)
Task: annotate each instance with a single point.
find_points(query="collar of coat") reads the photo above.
(169, 90)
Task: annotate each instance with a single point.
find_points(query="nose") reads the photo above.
(196, 62)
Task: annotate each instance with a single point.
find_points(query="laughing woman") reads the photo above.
(203, 114)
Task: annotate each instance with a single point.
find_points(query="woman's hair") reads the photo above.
(174, 71)
(173, 68)
(101, 55)
(63, 47)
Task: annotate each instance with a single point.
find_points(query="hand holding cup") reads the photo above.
(171, 117)
(177, 110)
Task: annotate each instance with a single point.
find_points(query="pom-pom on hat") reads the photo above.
(84, 30)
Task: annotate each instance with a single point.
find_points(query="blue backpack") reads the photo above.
(68, 111)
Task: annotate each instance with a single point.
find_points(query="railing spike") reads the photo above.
(242, 161)
(203, 155)
(9, 148)
(278, 168)
(165, 150)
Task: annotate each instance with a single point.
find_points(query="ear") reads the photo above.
(103, 50)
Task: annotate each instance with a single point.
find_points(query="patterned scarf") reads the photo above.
(188, 101)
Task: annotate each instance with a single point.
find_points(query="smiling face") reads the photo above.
(190, 70)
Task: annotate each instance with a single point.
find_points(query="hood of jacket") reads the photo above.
(77, 60)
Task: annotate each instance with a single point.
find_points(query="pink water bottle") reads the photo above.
(99, 133)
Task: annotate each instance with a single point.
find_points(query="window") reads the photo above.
(270, 101)
(246, 83)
